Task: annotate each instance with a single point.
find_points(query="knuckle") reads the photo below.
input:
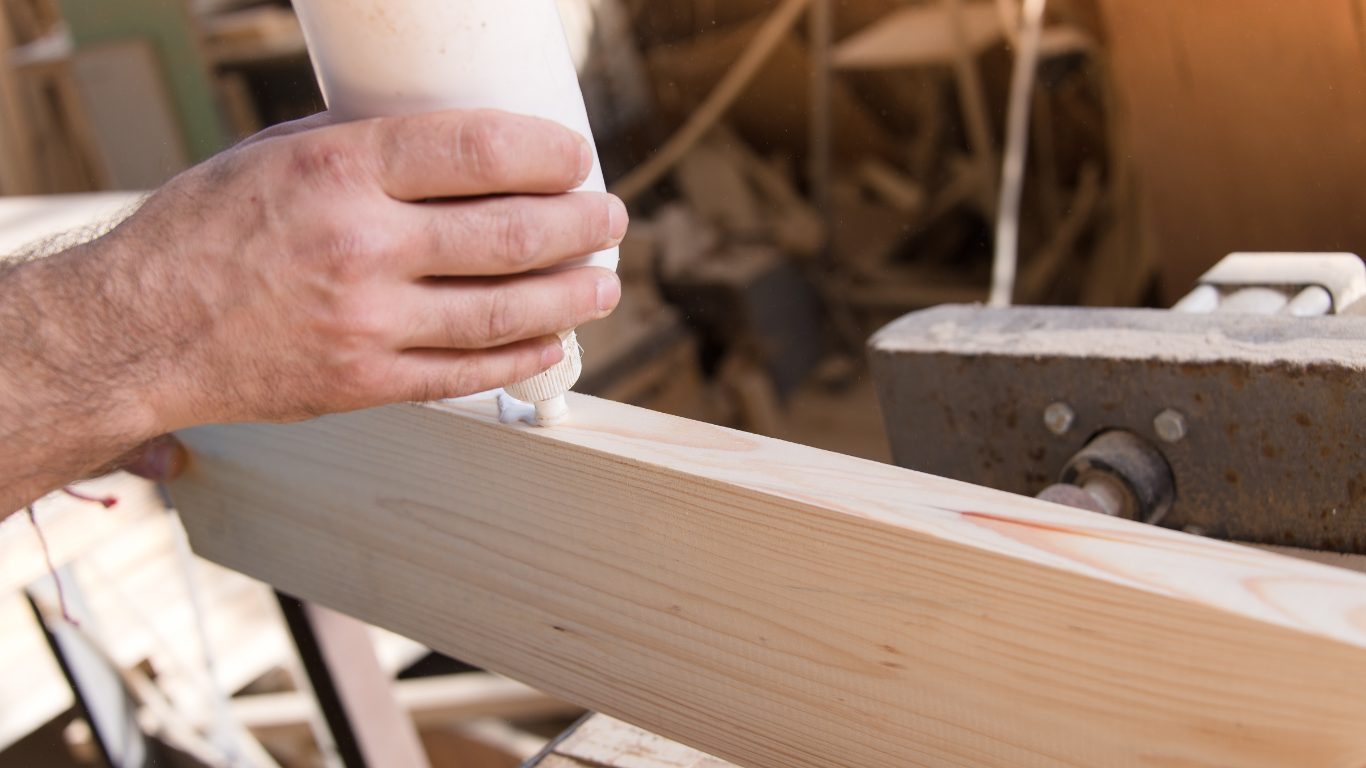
(349, 248)
(461, 377)
(468, 378)
(351, 381)
(357, 379)
(359, 324)
(349, 330)
(523, 235)
(503, 318)
(485, 151)
(320, 159)
(335, 256)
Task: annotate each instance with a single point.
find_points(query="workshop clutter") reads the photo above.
(781, 277)
(770, 255)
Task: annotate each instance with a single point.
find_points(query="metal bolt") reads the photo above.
(1059, 418)
(1170, 425)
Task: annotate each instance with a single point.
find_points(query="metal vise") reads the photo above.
(1206, 417)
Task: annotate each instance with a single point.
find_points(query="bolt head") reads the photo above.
(1170, 426)
(1059, 418)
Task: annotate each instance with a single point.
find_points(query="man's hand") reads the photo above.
(312, 269)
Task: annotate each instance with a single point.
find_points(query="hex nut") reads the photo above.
(1126, 474)
(1059, 418)
(1170, 426)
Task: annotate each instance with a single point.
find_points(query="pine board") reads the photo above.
(776, 605)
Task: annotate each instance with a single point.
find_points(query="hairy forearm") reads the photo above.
(69, 374)
(300, 273)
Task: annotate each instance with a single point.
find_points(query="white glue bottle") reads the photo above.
(380, 58)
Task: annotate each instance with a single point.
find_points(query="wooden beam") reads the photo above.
(605, 741)
(918, 36)
(776, 605)
(383, 733)
(430, 701)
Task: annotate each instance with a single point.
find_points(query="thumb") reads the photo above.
(160, 459)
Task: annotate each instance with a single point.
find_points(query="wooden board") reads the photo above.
(771, 113)
(433, 702)
(130, 110)
(1245, 122)
(175, 36)
(608, 742)
(776, 605)
(918, 35)
(65, 153)
(17, 174)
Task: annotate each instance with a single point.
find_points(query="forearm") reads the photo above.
(69, 381)
(303, 273)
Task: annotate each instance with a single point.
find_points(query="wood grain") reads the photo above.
(776, 605)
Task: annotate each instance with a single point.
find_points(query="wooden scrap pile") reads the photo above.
(915, 152)
(776, 284)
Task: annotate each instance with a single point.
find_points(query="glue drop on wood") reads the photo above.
(379, 58)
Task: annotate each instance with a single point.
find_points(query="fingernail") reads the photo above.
(617, 218)
(585, 159)
(609, 293)
(551, 355)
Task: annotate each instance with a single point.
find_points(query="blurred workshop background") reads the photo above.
(854, 178)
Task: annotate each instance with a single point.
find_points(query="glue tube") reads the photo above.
(381, 58)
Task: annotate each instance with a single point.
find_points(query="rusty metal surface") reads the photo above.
(1275, 408)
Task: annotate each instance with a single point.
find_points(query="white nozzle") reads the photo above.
(547, 388)
(552, 412)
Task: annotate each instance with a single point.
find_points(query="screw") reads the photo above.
(1059, 417)
(1170, 425)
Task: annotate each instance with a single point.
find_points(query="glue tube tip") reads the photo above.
(552, 412)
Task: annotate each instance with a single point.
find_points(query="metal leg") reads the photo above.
(324, 688)
(98, 688)
(356, 698)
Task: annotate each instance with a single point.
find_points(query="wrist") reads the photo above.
(72, 393)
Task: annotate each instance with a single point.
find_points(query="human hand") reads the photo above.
(300, 273)
(319, 287)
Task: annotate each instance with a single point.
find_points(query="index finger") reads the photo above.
(467, 153)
